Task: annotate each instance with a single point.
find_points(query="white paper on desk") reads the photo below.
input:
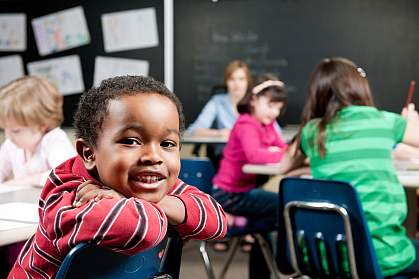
(12, 32)
(65, 72)
(106, 67)
(19, 212)
(11, 67)
(5, 188)
(60, 31)
(6, 225)
(130, 30)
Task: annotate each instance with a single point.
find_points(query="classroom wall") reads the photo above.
(288, 38)
(93, 9)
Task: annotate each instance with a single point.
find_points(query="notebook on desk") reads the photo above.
(18, 214)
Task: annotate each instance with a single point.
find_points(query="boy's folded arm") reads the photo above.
(204, 217)
(127, 225)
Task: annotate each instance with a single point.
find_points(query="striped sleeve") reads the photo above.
(205, 218)
(127, 225)
(399, 125)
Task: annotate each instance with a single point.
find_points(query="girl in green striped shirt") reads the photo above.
(346, 138)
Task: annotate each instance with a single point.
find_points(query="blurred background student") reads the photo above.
(346, 138)
(254, 139)
(30, 115)
(220, 113)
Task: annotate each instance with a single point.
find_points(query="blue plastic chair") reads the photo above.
(199, 171)
(91, 261)
(325, 234)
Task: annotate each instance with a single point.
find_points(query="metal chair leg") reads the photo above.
(204, 254)
(234, 246)
(267, 254)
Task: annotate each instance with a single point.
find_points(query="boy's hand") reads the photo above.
(173, 208)
(88, 191)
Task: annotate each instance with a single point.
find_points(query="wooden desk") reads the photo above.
(264, 169)
(287, 134)
(23, 229)
(187, 139)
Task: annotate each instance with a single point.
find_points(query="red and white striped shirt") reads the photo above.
(126, 225)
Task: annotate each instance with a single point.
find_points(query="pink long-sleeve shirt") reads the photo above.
(248, 143)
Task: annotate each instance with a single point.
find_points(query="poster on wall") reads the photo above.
(12, 32)
(60, 31)
(11, 67)
(106, 67)
(131, 29)
(65, 72)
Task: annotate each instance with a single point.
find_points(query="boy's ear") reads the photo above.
(86, 152)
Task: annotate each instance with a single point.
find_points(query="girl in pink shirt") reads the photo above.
(253, 140)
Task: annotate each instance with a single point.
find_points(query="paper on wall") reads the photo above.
(12, 32)
(106, 67)
(130, 30)
(65, 72)
(11, 67)
(60, 31)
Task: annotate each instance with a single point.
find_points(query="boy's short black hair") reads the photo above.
(93, 104)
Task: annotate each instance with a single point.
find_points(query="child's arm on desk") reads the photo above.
(294, 162)
(193, 213)
(204, 217)
(412, 128)
(127, 225)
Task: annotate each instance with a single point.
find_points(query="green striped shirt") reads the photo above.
(359, 142)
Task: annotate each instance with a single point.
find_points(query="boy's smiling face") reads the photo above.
(137, 152)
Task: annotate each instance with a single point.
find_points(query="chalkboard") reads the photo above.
(93, 9)
(288, 38)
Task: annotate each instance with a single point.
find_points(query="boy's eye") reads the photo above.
(168, 144)
(130, 141)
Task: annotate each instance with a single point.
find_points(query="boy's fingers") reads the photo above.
(86, 187)
(91, 195)
(84, 184)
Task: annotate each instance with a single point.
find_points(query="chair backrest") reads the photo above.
(324, 231)
(198, 172)
(93, 262)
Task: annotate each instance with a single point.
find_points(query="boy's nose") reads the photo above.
(150, 154)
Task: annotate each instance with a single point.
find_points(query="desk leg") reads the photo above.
(412, 209)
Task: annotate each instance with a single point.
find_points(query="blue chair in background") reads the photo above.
(90, 261)
(199, 171)
(326, 232)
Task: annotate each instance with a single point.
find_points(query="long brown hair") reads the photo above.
(334, 84)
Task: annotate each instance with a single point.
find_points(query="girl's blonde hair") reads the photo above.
(31, 101)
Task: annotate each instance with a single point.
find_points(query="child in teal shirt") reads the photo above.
(346, 138)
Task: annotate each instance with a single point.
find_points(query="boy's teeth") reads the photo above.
(149, 179)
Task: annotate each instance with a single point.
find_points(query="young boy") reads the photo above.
(128, 145)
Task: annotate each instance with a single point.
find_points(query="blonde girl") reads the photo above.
(30, 114)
